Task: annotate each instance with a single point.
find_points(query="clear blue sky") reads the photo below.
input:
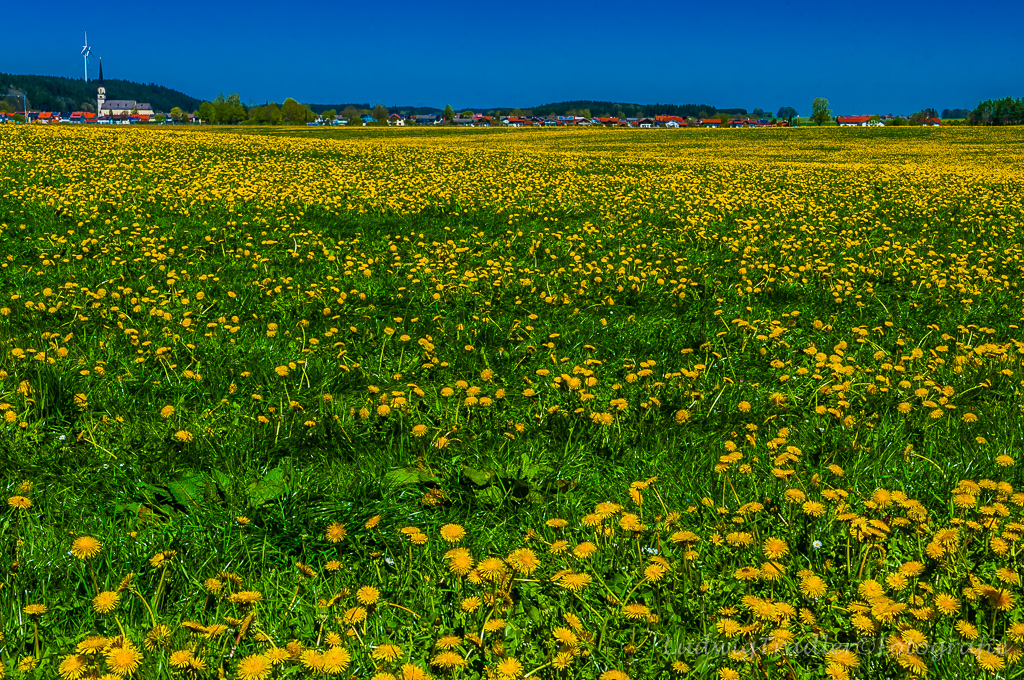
(865, 57)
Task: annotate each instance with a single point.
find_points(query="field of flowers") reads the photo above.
(511, 403)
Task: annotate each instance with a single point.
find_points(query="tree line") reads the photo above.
(53, 93)
(231, 111)
(1006, 111)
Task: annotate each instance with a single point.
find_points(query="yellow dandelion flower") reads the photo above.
(471, 604)
(987, 661)
(335, 532)
(813, 586)
(123, 660)
(565, 636)
(19, 502)
(85, 547)
(245, 598)
(613, 675)
(35, 609)
(312, 660)
(575, 582)
(510, 668)
(842, 657)
(452, 533)
(636, 612)
(73, 666)
(368, 595)
(94, 644)
(354, 615)
(584, 550)
(775, 548)
(158, 638)
(524, 561)
(448, 642)
(967, 630)
(491, 568)
(336, 660)
(254, 667)
(388, 653)
(180, 658)
(448, 660)
(747, 573)
(413, 672)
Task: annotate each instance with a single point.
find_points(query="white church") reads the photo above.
(118, 107)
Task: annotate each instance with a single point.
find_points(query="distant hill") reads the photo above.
(598, 108)
(53, 93)
(419, 110)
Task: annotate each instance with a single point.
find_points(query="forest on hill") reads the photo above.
(54, 93)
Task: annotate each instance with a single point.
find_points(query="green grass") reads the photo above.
(97, 466)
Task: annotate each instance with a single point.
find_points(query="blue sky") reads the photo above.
(865, 57)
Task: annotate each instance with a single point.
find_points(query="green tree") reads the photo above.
(449, 113)
(329, 114)
(232, 110)
(177, 115)
(160, 118)
(292, 112)
(819, 111)
(788, 113)
(274, 115)
(135, 109)
(380, 113)
(207, 113)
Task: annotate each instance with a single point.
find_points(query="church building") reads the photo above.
(118, 107)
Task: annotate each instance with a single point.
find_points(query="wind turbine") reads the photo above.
(86, 51)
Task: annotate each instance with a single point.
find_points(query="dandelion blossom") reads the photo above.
(509, 668)
(336, 660)
(86, 547)
(368, 595)
(72, 667)
(124, 660)
(254, 667)
(452, 533)
(335, 532)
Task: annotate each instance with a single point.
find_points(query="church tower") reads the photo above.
(101, 92)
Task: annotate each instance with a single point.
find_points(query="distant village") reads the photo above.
(131, 112)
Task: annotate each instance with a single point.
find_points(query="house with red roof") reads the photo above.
(853, 121)
(710, 122)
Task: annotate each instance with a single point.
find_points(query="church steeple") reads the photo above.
(101, 92)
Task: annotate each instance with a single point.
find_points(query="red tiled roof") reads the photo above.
(853, 119)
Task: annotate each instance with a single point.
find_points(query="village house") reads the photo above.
(853, 121)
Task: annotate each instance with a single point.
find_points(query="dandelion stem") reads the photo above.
(398, 606)
(149, 609)
(539, 668)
